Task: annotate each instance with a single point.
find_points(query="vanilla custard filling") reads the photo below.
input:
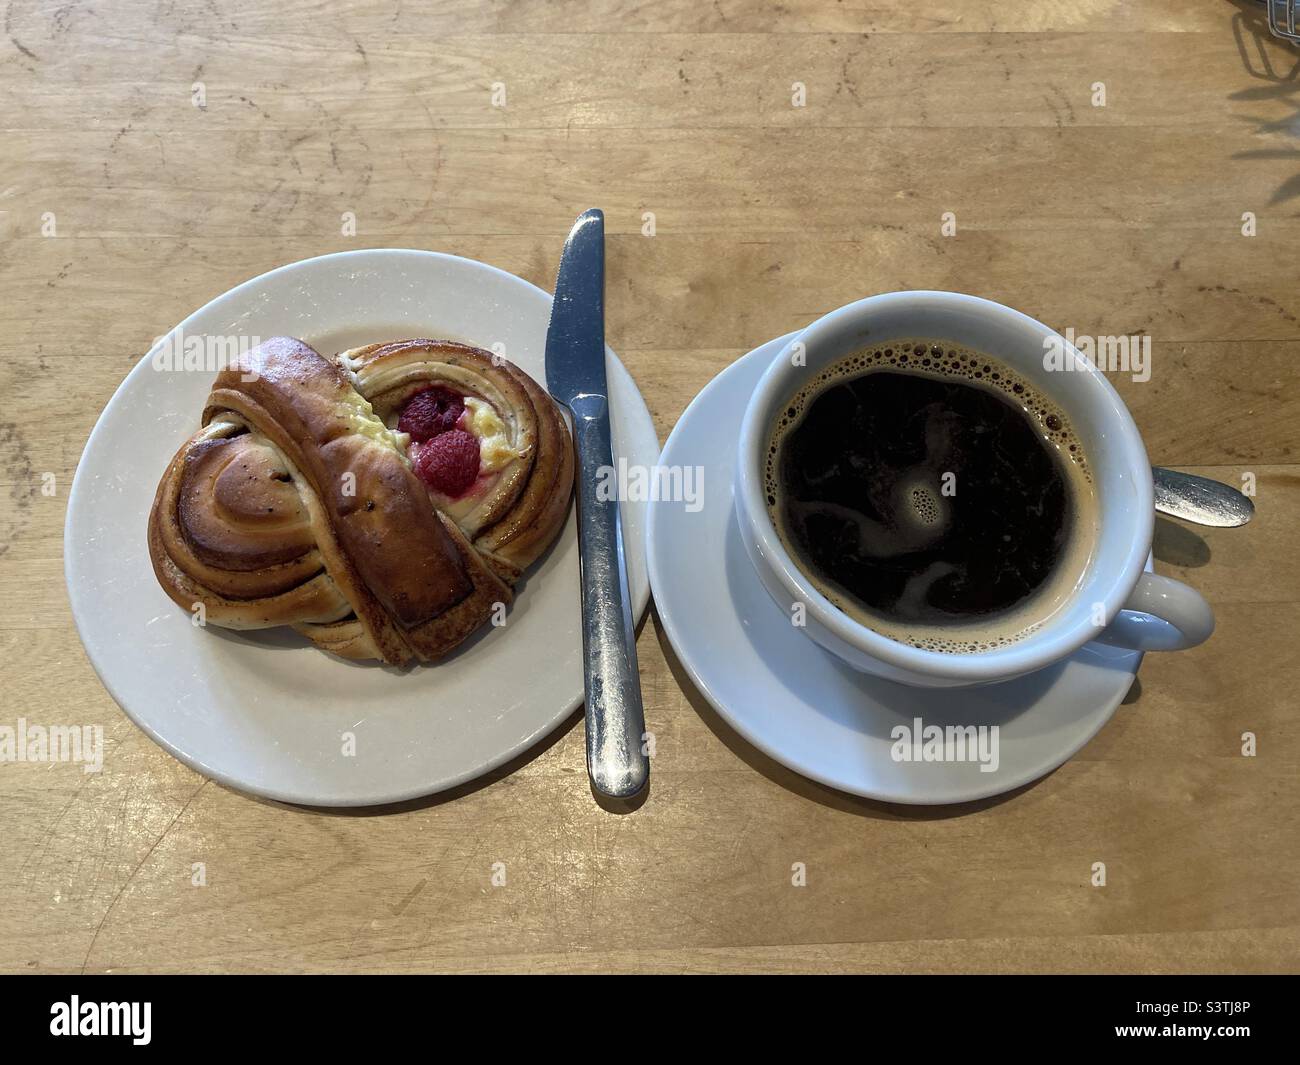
(494, 449)
(363, 420)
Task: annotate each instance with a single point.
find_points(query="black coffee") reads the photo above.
(933, 491)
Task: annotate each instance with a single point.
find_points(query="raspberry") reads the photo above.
(430, 413)
(449, 462)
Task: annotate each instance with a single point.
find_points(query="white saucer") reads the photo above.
(800, 705)
(266, 712)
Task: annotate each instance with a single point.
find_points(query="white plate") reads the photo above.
(805, 708)
(266, 712)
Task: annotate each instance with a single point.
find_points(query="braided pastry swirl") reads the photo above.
(380, 502)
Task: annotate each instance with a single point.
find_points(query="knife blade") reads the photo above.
(575, 376)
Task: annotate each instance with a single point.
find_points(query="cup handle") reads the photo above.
(1162, 614)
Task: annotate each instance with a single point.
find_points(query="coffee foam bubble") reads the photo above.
(927, 508)
(922, 505)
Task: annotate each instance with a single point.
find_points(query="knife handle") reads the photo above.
(615, 718)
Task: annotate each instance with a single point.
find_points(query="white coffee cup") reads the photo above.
(1115, 601)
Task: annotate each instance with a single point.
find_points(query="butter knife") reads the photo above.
(575, 375)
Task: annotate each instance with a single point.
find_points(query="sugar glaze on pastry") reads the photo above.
(380, 502)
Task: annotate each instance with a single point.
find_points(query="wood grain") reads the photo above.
(1119, 219)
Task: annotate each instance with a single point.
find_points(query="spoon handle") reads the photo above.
(1200, 500)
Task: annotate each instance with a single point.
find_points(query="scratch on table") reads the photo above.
(410, 897)
(43, 845)
(9, 18)
(139, 865)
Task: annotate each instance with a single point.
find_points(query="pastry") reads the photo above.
(383, 502)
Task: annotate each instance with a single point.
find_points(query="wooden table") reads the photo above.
(124, 206)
